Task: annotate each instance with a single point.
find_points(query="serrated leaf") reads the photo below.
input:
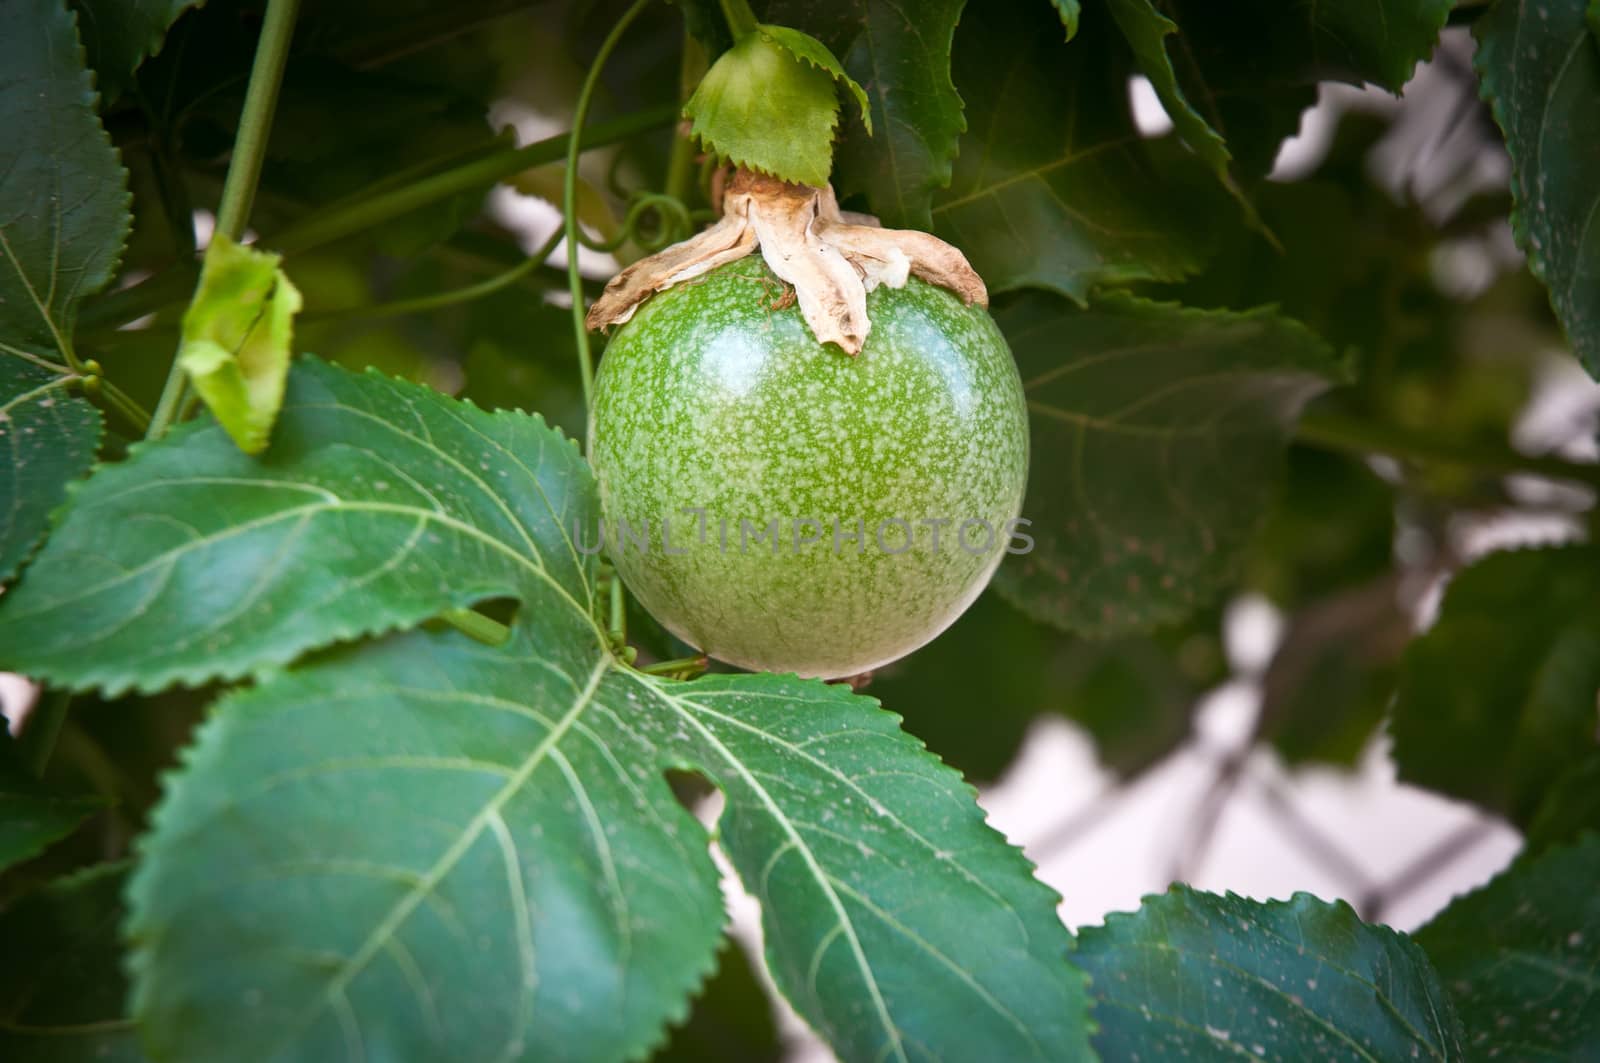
(1520, 957)
(31, 816)
(63, 195)
(118, 35)
(1489, 711)
(900, 52)
(732, 1018)
(61, 981)
(1147, 30)
(1252, 67)
(1158, 434)
(761, 107)
(1539, 66)
(808, 49)
(1051, 188)
(237, 333)
(1197, 975)
(480, 831)
(47, 439)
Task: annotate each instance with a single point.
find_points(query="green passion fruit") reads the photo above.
(786, 507)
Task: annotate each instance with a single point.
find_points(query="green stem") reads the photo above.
(457, 295)
(260, 101)
(362, 211)
(44, 727)
(569, 196)
(1353, 435)
(681, 668)
(680, 164)
(244, 169)
(124, 404)
(476, 626)
(741, 20)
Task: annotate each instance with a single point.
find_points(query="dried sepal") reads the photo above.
(832, 258)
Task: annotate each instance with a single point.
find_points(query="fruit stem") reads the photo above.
(244, 169)
(1332, 431)
(569, 197)
(741, 20)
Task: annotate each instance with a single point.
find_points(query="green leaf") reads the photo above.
(900, 52)
(1520, 957)
(118, 35)
(31, 816)
(1069, 11)
(1540, 70)
(63, 195)
(1158, 435)
(761, 106)
(732, 1018)
(808, 49)
(516, 866)
(48, 438)
(1197, 975)
(1569, 807)
(236, 339)
(61, 982)
(1252, 67)
(1491, 711)
(1051, 188)
(1147, 30)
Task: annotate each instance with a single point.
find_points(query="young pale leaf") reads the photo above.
(236, 339)
(901, 53)
(1069, 11)
(63, 195)
(61, 982)
(1493, 712)
(1520, 957)
(47, 439)
(1158, 435)
(1196, 975)
(1252, 66)
(118, 35)
(31, 817)
(487, 831)
(1051, 188)
(763, 107)
(1540, 70)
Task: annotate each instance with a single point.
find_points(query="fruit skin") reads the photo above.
(716, 396)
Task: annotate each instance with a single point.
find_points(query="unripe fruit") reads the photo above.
(716, 413)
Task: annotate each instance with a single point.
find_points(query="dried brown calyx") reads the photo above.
(832, 258)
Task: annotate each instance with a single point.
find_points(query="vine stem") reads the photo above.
(1356, 436)
(569, 196)
(44, 727)
(244, 168)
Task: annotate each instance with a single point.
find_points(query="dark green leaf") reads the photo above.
(118, 35)
(900, 53)
(1540, 69)
(514, 837)
(1195, 975)
(63, 195)
(31, 816)
(1520, 957)
(1051, 188)
(1492, 711)
(47, 439)
(1569, 807)
(61, 981)
(1252, 66)
(1158, 434)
